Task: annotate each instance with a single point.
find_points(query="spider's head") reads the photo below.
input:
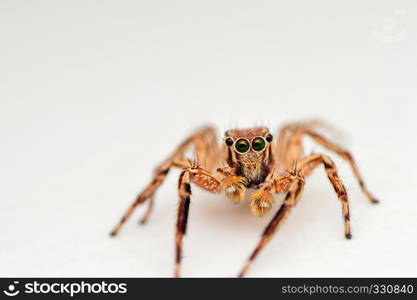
(249, 150)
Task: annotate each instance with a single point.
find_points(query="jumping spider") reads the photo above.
(249, 159)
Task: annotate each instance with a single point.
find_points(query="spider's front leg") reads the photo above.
(293, 184)
(204, 180)
(234, 187)
(205, 145)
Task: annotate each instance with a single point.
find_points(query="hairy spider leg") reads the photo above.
(198, 139)
(294, 192)
(204, 180)
(290, 150)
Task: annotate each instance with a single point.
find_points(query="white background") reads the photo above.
(94, 94)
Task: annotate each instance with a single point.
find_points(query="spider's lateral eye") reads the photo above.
(242, 146)
(269, 138)
(229, 142)
(258, 144)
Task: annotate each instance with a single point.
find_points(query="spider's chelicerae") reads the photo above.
(249, 159)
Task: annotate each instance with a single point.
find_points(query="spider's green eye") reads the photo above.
(258, 144)
(242, 146)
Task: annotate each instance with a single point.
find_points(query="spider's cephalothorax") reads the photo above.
(249, 158)
(249, 153)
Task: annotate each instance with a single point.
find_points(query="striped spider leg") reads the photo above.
(202, 179)
(205, 146)
(232, 185)
(290, 150)
(293, 184)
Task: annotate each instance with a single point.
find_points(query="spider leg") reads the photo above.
(202, 179)
(345, 155)
(148, 212)
(293, 184)
(310, 163)
(175, 160)
(289, 202)
(147, 193)
(281, 148)
(290, 150)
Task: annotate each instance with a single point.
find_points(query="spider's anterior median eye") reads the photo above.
(242, 146)
(229, 142)
(258, 144)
